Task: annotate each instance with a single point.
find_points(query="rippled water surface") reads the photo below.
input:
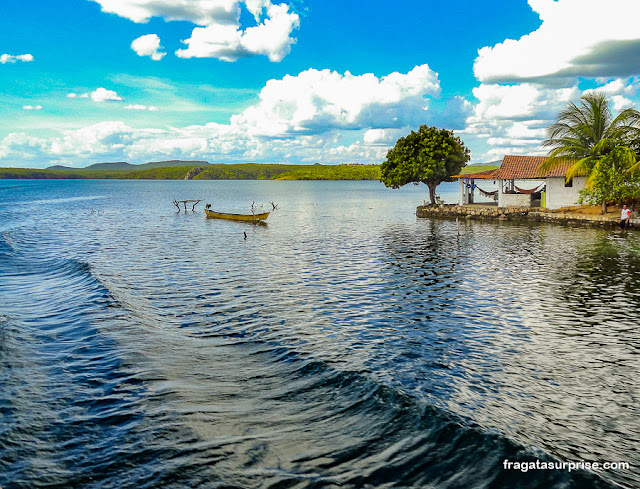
(344, 344)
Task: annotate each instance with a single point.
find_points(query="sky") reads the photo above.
(299, 81)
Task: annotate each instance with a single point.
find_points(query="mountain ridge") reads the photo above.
(123, 165)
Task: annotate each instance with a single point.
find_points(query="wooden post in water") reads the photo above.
(184, 203)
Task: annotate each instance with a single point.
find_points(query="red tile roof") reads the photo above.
(524, 167)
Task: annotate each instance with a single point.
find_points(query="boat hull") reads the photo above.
(237, 217)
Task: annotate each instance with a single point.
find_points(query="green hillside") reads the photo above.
(477, 168)
(124, 166)
(244, 171)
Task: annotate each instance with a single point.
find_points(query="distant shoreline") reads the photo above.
(202, 170)
(243, 171)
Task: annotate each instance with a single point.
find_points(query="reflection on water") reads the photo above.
(346, 344)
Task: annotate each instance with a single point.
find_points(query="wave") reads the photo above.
(398, 440)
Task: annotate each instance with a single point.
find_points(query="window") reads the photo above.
(569, 183)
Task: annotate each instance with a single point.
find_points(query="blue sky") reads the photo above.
(299, 81)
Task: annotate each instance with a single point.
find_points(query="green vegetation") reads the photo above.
(430, 156)
(19, 173)
(477, 169)
(600, 147)
(245, 171)
(339, 172)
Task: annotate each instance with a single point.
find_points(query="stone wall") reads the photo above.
(519, 214)
(470, 211)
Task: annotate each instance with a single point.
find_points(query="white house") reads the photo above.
(543, 189)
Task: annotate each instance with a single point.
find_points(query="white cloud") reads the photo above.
(8, 58)
(199, 12)
(313, 116)
(32, 107)
(98, 95)
(576, 38)
(315, 101)
(140, 107)
(228, 42)
(102, 138)
(384, 137)
(104, 95)
(219, 33)
(519, 102)
(620, 103)
(148, 45)
(513, 118)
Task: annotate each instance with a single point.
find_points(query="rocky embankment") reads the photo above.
(519, 214)
(192, 173)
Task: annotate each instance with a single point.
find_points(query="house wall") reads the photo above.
(515, 200)
(558, 195)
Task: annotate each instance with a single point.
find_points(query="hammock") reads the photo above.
(487, 194)
(530, 191)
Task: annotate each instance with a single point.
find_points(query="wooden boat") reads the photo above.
(237, 217)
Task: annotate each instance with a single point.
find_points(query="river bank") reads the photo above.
(479, 211)
(199, 171)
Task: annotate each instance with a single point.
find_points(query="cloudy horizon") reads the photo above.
(296, 82)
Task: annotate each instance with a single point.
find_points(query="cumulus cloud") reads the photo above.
(519, 102)
(140, 107)
(315, 101)
(104, 95)
(148, 45)
(271, 38)
(383, 137)
(315, 115)
(8, 58)
(99, 95)
(199, 12)
(32, 107)
(512, 119)
(219, 33)
(577, 38)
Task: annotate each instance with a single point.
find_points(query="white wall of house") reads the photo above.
(514, 200)
(557, 195)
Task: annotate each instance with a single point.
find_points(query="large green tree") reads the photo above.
(429, 155)
(599, 146)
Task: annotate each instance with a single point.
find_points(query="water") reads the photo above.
(344, 344)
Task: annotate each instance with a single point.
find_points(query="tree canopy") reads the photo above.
(599, 146)
(430, 156)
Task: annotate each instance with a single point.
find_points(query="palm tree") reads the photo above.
(587, 135)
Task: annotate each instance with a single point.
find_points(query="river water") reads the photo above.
(344, 344)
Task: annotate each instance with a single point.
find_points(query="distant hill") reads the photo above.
(170, 164)
(123, 165)
(60, 167)
(489, 163)
(202, 170)
(119, 165)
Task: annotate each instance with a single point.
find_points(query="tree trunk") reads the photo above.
(432, 192)
(604, 207)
